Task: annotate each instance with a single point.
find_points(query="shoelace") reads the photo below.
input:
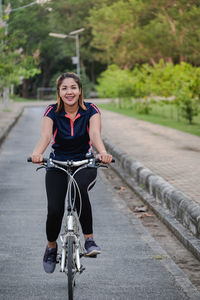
(89, 243)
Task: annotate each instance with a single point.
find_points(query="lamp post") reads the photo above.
(73, 35)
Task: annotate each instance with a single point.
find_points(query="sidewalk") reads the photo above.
(163, 161)
(162, 166)
(169, 153)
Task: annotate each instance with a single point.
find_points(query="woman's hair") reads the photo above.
(58, 84)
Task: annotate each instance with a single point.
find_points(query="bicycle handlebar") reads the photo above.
(70, 163)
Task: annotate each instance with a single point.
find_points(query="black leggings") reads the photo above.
(56, 188)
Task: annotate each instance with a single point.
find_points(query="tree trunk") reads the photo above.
(152, 61)
(25, 86)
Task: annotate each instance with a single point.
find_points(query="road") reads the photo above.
(132, 264)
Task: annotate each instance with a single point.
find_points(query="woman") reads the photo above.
(74, 124)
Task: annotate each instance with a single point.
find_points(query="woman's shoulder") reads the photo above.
(91, 106)
(54, 105)
(51, 108)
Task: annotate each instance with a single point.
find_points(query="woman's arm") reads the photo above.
(95, 137)
(45, 138)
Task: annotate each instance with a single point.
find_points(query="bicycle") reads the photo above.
(72, 250)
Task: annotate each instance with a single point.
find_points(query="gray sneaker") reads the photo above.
(91, 248)
(49, 259)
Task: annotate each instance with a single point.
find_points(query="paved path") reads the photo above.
(169, 153)
(132, 265)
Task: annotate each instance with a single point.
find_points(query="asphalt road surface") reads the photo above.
(132, 264)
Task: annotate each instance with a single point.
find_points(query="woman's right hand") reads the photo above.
(37, 158)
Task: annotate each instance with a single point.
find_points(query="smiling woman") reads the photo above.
(74, 124)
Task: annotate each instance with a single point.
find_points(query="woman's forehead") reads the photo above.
(68, 82)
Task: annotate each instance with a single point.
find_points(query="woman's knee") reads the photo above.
(55, 215)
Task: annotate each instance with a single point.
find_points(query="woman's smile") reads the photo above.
(69, 97)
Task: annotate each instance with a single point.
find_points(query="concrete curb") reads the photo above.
(18, 114)
(8, 127)
(179, 212)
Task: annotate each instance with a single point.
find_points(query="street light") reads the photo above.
(24, 6)
(73, 35)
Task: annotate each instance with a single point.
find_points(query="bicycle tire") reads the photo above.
(70, 267)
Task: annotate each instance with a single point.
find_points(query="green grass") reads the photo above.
(20, 99)
(165, 115)
(6, 110)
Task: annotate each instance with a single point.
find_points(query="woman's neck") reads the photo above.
(71, 109)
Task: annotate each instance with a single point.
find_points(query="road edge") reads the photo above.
(10, 125)
(175, 209)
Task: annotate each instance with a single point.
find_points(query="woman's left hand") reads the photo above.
(105, 157)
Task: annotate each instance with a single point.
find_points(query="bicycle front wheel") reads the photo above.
(70, 267)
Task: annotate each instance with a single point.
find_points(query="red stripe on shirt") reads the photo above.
(54, 136)
(88, 130)
(72, 123)
(48, 110)
(95, 107)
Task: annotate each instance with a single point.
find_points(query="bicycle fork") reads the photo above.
(76, 252)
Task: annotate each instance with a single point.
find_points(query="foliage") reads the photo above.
(128, 32)
(115, 82)
(53, 55)
(186, 90)
(167, 80)
(13, 63)
(131, 34)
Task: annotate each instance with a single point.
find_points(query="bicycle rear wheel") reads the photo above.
(70, 267)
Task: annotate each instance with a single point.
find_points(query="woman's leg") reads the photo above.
(85, 179)
(56, 187)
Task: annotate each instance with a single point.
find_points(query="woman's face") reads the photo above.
(69, 91)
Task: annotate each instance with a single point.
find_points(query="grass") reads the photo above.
(165, 115)
(16, 98)
(6, 110)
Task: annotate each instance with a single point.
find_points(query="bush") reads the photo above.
(181, 82)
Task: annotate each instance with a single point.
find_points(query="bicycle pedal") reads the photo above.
(82, 269)
(90, 256)
(58, 258)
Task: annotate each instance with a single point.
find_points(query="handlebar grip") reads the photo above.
(99, 161)
(29, 159)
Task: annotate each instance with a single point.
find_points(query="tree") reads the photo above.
(139, 31)
(54, 55)
(13, 63)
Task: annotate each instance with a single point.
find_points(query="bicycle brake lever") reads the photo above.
(93, 166)
(40, 168)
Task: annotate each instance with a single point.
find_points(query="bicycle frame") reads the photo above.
(71, 229)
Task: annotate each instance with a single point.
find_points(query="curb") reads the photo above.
(179, 212)
(10, 125)
(18, 114)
